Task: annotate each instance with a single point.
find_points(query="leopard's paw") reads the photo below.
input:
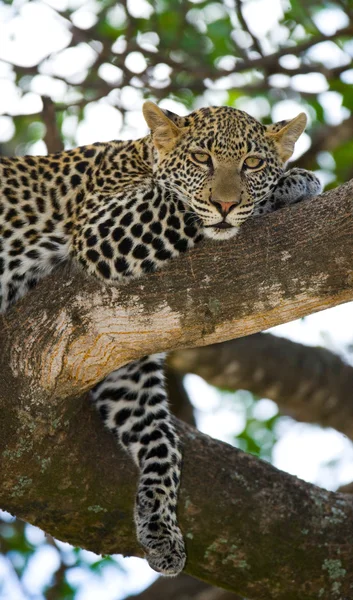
(304, 184)
(164, 545)
(292, 187)
(169, 559)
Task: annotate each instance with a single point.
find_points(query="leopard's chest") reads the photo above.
(135, 234)
(115, 237)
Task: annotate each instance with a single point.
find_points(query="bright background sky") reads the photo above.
(303, 450)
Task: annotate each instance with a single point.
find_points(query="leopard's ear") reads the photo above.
(177, 119)
(164, 131)
(286, 133)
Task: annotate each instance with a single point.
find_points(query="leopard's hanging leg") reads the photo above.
(133, 404)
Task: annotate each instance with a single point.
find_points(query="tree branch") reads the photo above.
(73, 330)
(52, 137)
(60, 472)
(310, 384)
(63, 474)
(179, 400)
(326, 138)
(182, 587)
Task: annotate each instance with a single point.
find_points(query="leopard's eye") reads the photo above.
(253, 162)
(201, 157)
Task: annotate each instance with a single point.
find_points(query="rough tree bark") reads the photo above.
(280, 267)
(309, 384)
(256, 530)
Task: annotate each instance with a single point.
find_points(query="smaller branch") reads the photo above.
(185, 587)
(60, 106)
(272, 59)
(347, 7)
(346, 489)
(182, 586)
(52, 137)
(54, 590)
(327, 137)
(243, 23)
(310, 384)
(178, 398)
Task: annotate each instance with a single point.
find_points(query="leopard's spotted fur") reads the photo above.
(122, 209)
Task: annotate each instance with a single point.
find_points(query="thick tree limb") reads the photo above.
(248, 526)
(257, 531)
(71, 331)
(310, 384)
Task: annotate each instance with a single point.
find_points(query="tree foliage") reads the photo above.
(192, 52)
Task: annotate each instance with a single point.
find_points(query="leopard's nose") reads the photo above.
(224, 208)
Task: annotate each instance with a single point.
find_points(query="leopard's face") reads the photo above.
(221, 161)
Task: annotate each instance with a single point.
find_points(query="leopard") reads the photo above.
(123, 209)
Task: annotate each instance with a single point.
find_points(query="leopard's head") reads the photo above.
(220, 161)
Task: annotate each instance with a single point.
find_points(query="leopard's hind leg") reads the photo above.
(133, 404)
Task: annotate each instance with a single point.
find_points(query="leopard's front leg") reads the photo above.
(133, 404)
(294, 186)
